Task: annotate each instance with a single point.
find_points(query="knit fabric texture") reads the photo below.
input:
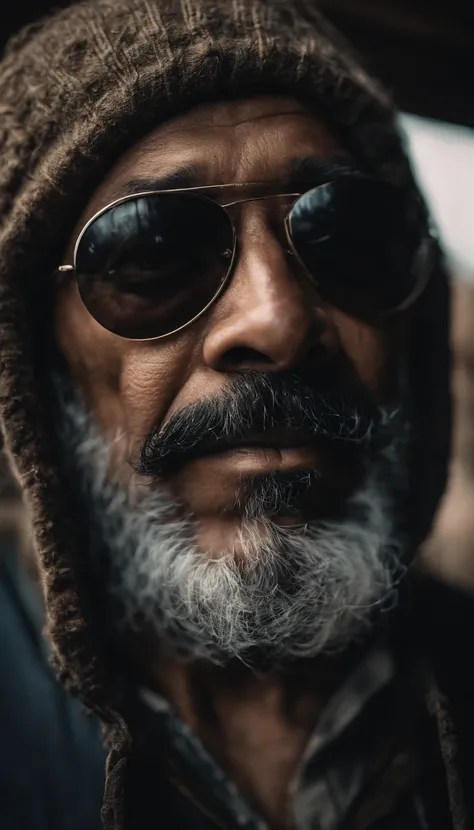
(75, 90)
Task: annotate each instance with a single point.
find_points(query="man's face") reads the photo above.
(268, 342)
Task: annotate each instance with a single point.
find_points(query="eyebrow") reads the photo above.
(313, 170)
(189, 175)
(305, 170)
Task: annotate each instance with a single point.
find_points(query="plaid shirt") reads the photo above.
(371, 762)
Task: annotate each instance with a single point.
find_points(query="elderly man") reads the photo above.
(224, 345)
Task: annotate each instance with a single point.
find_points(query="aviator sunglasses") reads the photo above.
(150, 264)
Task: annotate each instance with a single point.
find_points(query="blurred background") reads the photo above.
(424, 52)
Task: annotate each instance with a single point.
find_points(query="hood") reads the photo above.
(75, 90)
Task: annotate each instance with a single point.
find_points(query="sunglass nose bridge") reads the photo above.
(274, 206)
(263, 198)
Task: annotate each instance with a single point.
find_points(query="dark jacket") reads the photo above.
(51, 753)
(432, 626)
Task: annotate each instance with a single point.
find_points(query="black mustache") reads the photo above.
(254, 403)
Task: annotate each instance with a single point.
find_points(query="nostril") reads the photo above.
(318, 353)
(241, 356)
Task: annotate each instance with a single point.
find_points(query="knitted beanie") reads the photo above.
(75, 90)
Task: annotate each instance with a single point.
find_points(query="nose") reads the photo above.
(270, 318)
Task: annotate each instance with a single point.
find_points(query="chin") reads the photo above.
(230, 535)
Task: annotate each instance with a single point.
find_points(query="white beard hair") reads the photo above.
(293, 592)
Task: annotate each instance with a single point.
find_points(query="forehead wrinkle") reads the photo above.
(232, 161)
(242, 122)
(174, 139)
(190, 129)
(189, 123)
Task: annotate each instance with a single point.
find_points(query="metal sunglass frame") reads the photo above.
(422, 253)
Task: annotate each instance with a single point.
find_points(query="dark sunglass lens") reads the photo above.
(149, 265)
(356, 239)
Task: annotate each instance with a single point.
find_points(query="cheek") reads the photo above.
(129, 386)
(374, 354)
(92, 354)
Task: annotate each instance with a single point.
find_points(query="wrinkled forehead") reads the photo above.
(268, 139)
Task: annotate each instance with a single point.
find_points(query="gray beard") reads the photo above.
(293, 592)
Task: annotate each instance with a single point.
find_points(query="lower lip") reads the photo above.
(257, 460)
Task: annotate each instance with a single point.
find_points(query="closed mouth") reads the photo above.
(280, 439)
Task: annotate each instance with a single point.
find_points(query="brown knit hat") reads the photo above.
(75, 90)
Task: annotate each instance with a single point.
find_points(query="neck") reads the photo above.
(256, 726)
